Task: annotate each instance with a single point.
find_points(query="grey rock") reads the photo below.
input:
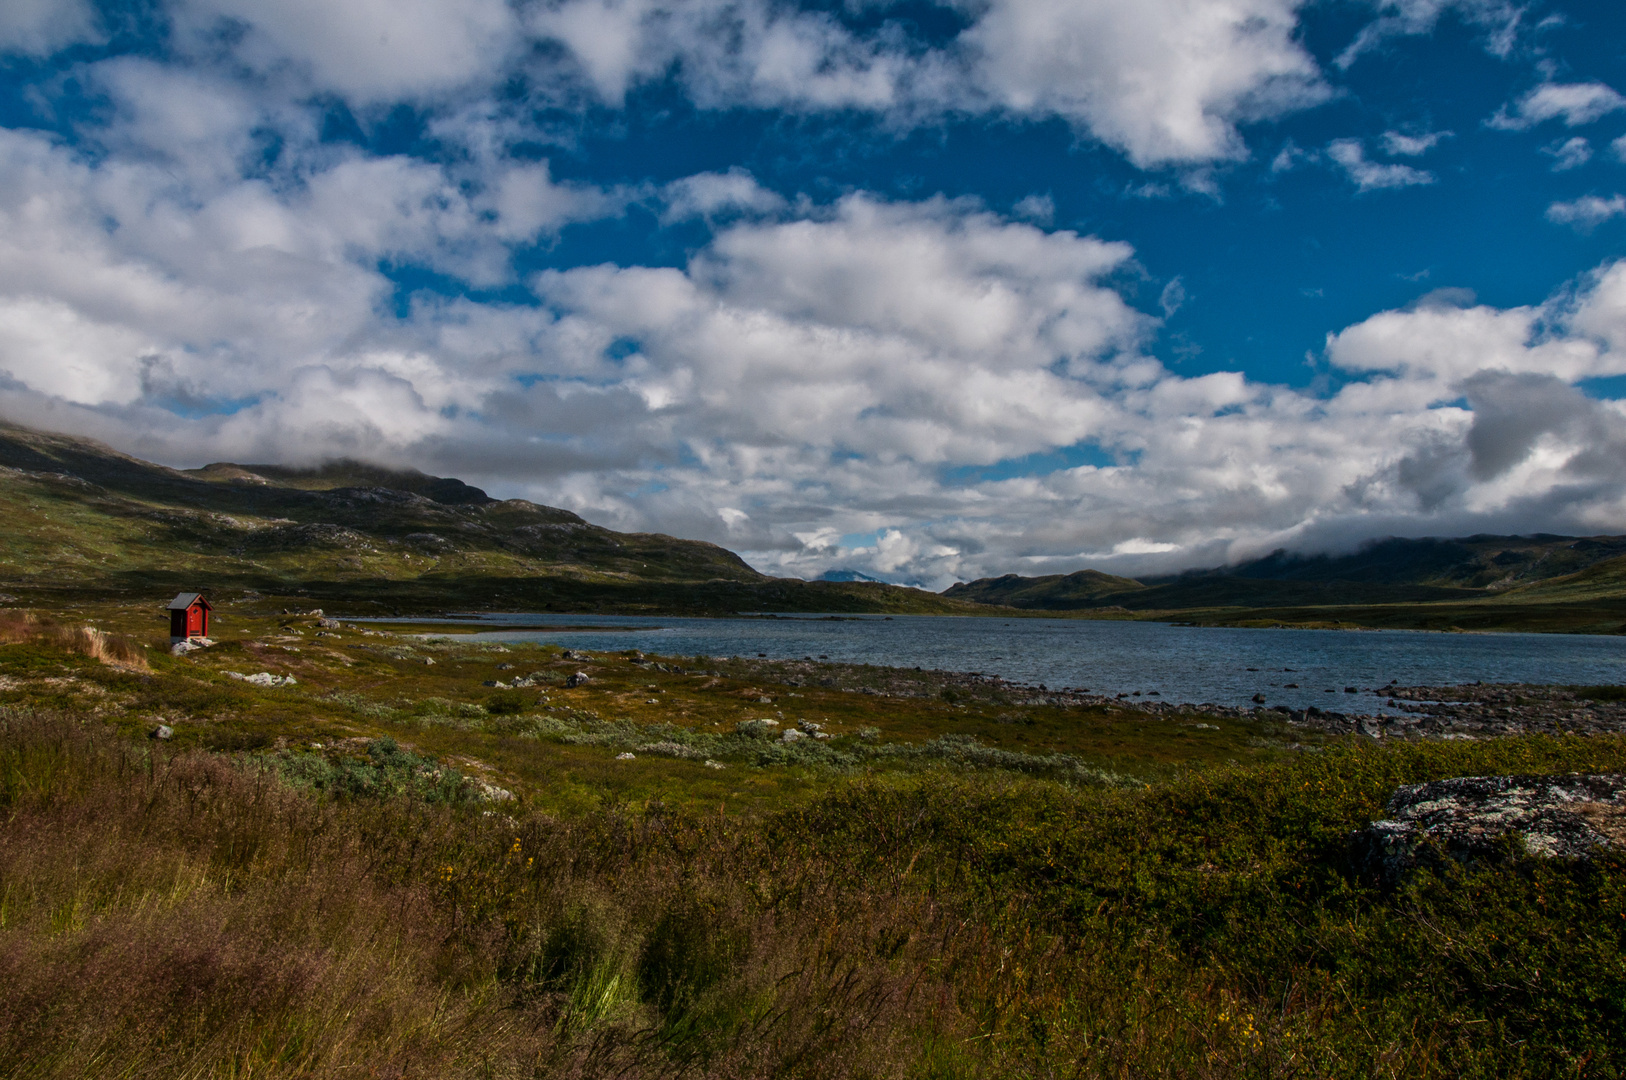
(328, 624)
(263, 678)
(1571, 816)
(581, 678)
(162, 731)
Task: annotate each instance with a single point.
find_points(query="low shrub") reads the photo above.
(185, 915)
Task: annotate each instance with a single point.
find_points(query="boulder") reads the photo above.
(162, 731)
(1569, 816)
(581, 678)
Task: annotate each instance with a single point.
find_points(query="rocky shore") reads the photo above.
(1477, 710)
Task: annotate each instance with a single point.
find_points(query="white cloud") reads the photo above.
(707, 195)
(1587, 212)
(1576, 104)
(1372, 175)
(368, 50)
(1498, 18)
(1039, 209)
(1163, 80)
(813, 372)
(1288, 157)
(43, 26)
(1569, 153)
(1399, 144)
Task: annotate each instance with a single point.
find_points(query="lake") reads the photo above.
(1182, 663)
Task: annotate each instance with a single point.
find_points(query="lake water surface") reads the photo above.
(1182, 663)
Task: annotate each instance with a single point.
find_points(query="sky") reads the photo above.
(927, 291)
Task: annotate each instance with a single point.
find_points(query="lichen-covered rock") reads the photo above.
(1571, 816)
(581, 678)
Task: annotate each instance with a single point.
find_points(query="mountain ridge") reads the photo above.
(78, 517)
(1387, 570)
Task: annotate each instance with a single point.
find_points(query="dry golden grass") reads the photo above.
(115, 650)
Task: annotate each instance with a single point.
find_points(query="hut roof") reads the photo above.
(186, 600)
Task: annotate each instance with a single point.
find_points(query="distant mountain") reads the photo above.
(848, 575)
(1388, 571)
(77, 517)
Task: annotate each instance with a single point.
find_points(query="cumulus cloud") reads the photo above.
(1587, 212)
(1576, 104)
(813, 372)
(1164, 80)
(367, 50)
(43, 26)
(1372, 175)
(205, 276)
(708, 195)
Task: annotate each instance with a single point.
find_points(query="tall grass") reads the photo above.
(18, 626)
(196, 916)
(184, 916)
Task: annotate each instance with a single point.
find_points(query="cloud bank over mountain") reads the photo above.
(921, 384)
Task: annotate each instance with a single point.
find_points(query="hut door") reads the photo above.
(194, 621)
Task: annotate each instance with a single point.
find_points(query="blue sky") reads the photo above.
(929, 291)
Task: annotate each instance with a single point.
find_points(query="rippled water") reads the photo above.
(1182, 663)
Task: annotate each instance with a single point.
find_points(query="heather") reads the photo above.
(190, 912)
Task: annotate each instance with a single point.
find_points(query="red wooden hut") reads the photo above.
(189, 616)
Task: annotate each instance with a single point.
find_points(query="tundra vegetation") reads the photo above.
(378, 862)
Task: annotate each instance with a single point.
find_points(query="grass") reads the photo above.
(556, 747)
(192, 914)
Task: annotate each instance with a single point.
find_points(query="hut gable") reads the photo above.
(189, 616)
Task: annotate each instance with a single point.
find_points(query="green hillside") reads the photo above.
(1055, 592)
(80, 519)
